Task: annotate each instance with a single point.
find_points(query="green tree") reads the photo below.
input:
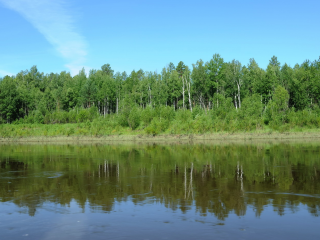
(278, 107)
(216, 81)
(89, 90)
(181, 67)
(9, 100)
(106, 69)
(201, 83)
(234, 81)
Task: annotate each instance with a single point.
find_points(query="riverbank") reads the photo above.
(307, 135)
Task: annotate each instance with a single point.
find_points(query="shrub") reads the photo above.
(134, 118)
(147, 115)
(82, 115)
(183, 116)
(157, 126)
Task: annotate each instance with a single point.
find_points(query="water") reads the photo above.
(186, 191)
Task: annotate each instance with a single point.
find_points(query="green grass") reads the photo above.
(166, 121)
(186, 131)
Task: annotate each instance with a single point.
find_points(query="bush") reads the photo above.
(166, 113)
(147, 115)
(157, 126)
(251, 107)
(82, 115)
(197, 111)
(70, 131)
(183, 116)
(202, 123)
(72, 116)
(134, 118)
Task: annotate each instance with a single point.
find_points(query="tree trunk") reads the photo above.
(235, 101)
(189, 94)
(117, 105)
(183, 78)
(150, 96)
(107, 106)
(239, 100)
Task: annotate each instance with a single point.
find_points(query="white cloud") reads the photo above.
(5, 73)
(52, 19)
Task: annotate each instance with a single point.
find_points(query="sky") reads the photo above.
(67, 35)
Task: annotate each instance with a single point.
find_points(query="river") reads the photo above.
(266, 190)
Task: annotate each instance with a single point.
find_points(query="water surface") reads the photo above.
(187, 191)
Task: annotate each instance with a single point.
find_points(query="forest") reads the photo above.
(211, 96)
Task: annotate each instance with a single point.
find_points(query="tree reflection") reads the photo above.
(217, 180)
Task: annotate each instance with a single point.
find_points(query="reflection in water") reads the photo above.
(210, 180)
(215, 179)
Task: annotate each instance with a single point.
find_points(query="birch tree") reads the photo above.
(186, 79)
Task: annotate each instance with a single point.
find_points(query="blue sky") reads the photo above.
(61, 35)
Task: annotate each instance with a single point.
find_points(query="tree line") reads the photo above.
(216, 85)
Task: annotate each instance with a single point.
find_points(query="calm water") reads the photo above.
(196, 191)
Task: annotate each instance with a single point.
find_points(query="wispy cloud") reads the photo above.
(52, 19)
(5, 73)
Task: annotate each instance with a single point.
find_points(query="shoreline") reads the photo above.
(173, 138)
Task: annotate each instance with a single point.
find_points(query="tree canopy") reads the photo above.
(212, 85)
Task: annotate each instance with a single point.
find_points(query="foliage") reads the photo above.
(214, 96)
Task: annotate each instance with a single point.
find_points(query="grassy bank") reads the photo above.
(95, 132)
